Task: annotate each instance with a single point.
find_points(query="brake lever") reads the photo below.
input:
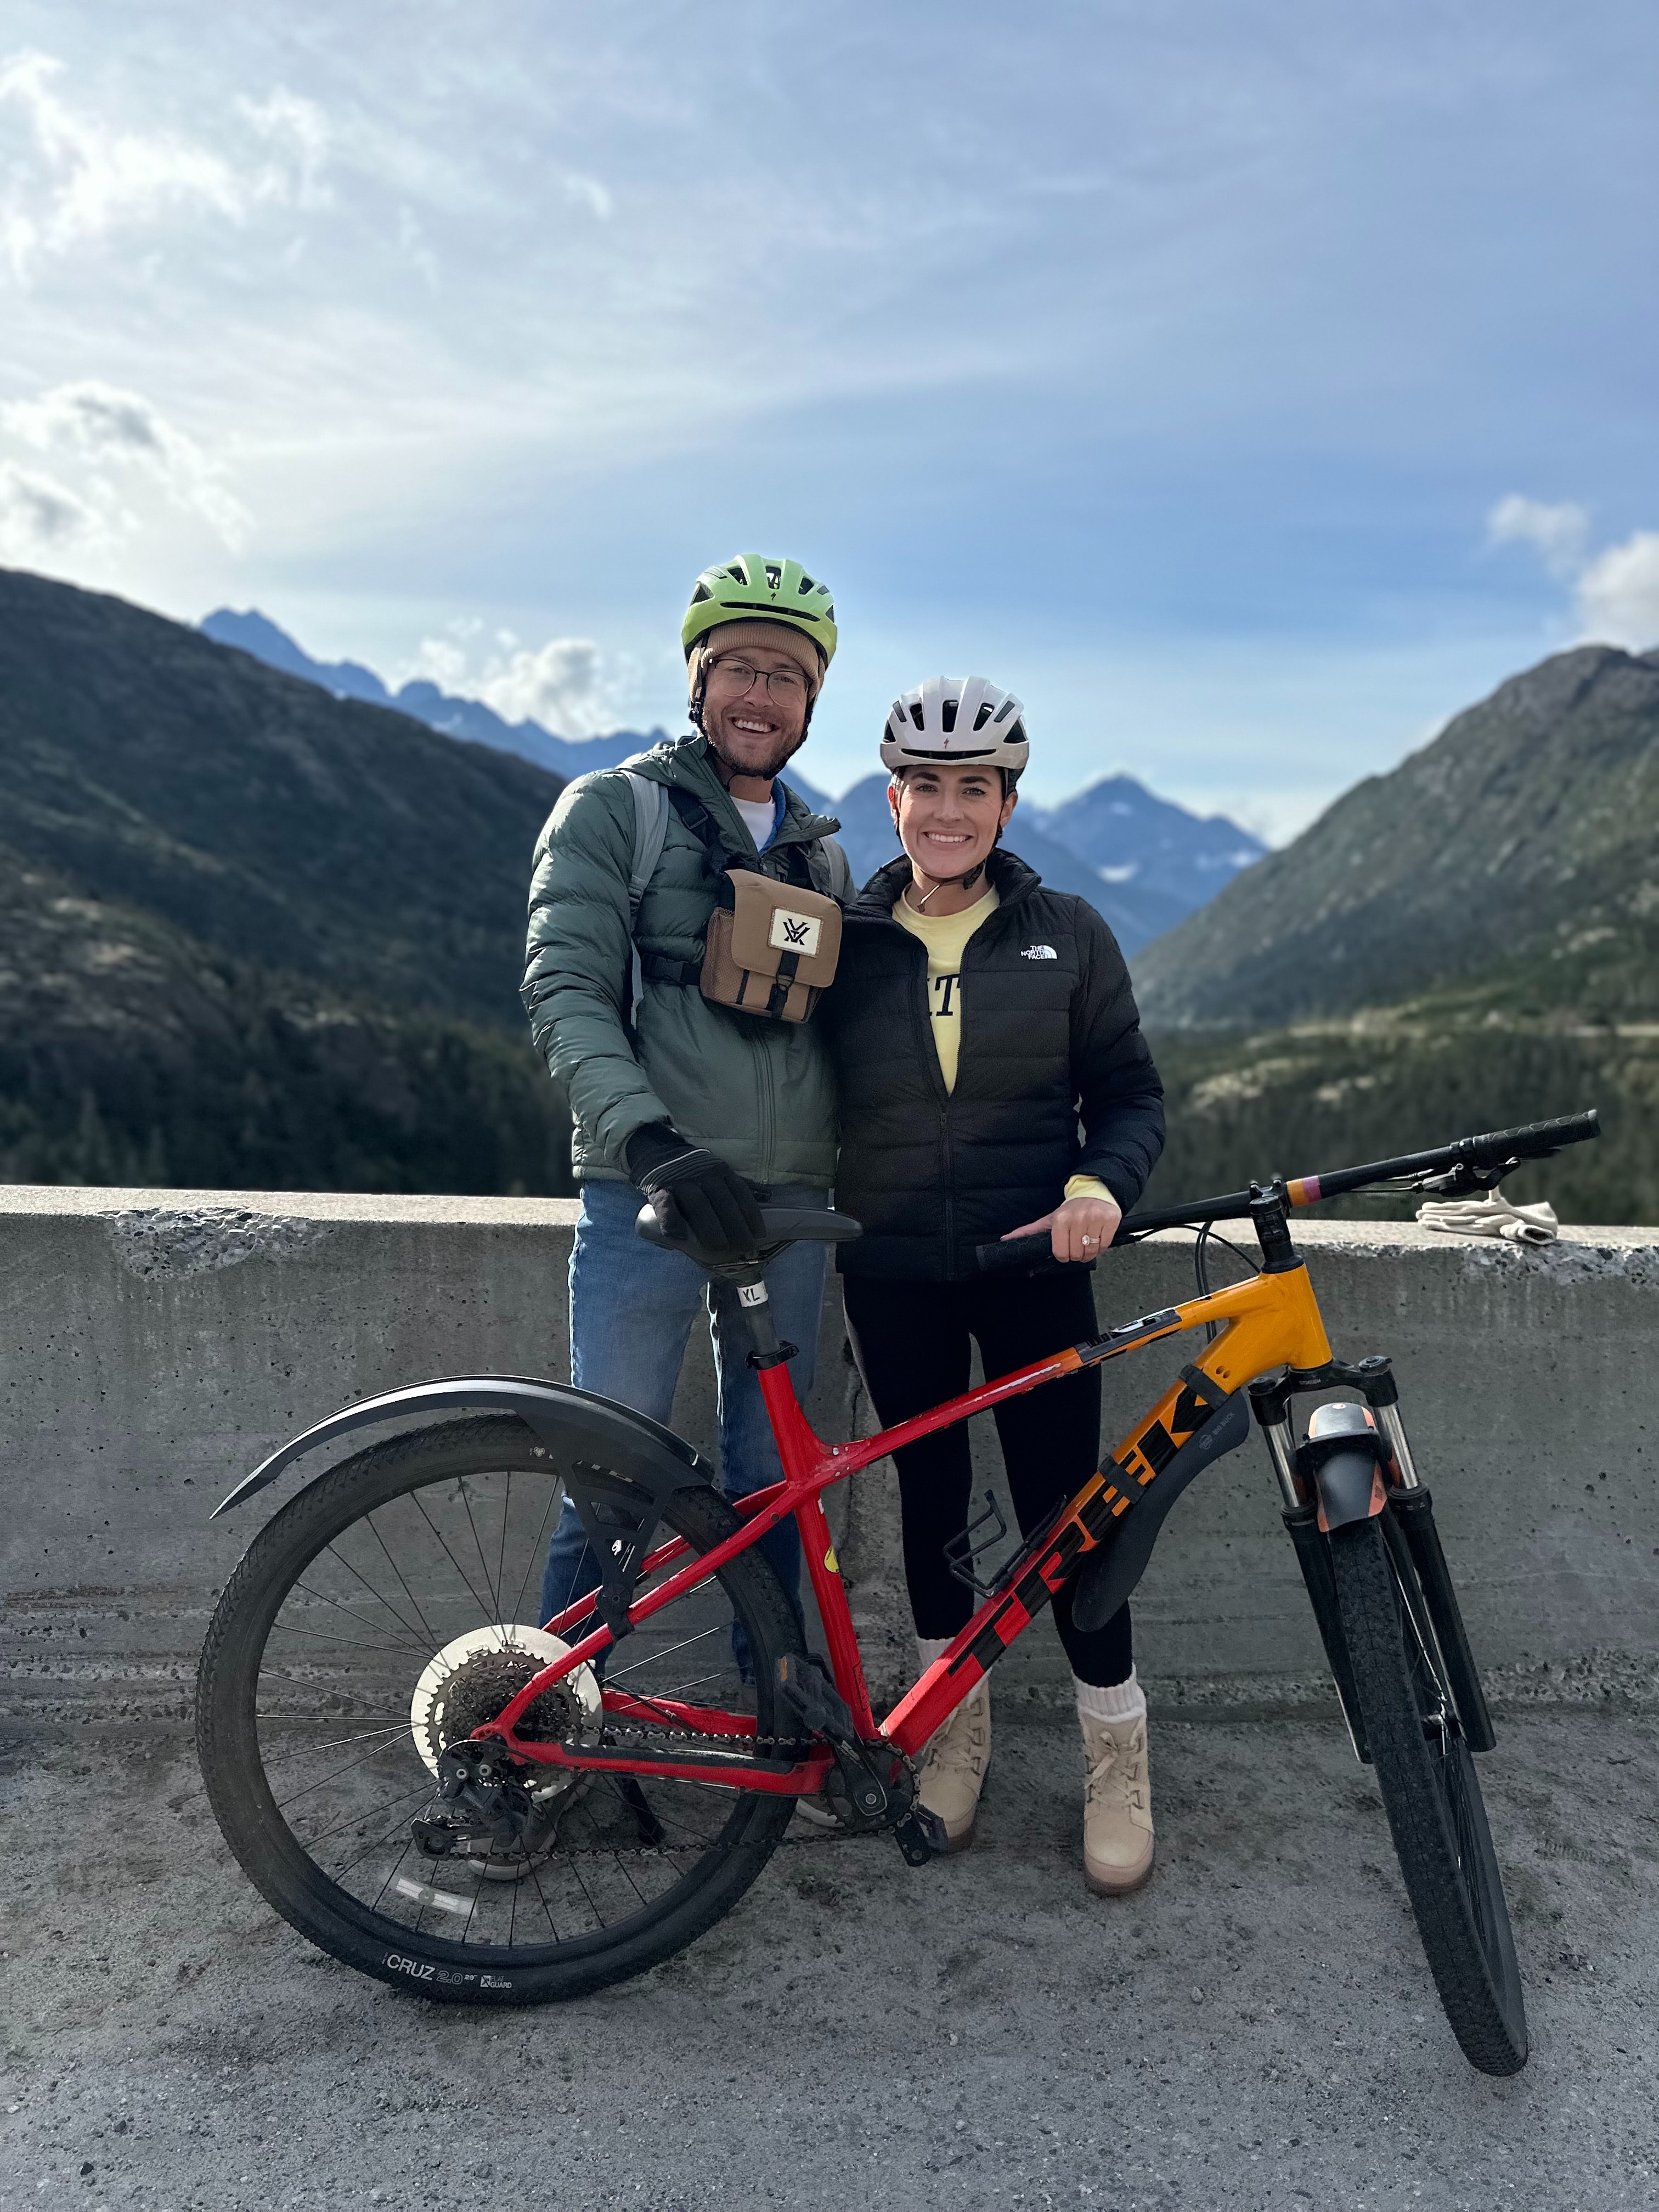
(1463, 1180)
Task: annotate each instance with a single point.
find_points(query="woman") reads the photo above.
(993, 1082)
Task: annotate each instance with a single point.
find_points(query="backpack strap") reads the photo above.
(650, 828)
(827, 859)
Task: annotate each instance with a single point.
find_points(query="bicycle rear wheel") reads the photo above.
(1436, 1813)
(380, 1616)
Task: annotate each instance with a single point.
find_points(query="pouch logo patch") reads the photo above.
(795, 933)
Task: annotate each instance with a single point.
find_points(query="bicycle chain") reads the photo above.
(839, 1834)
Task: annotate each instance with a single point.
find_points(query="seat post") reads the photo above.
(750, 1283)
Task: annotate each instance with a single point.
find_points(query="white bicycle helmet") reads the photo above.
(957, 719)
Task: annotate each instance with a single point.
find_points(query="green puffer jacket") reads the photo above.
(759, 1093)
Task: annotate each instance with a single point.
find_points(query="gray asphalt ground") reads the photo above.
(1256, 2029)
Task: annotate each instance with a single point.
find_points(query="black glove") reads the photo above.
(695, 1197)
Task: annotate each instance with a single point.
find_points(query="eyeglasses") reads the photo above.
(787, 684)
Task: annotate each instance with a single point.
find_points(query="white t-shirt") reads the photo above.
(760, 819)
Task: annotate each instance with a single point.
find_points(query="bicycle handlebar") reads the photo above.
(1497, 1148)
(1017, 1252)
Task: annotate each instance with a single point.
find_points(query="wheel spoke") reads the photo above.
(370, 1595)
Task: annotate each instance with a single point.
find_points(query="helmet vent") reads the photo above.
(773, 575)
(806, 587)
(948, 715)
(915, 715)
(702, 592)
(983, 715)
(1005, 710)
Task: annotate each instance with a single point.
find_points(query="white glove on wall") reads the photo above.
(1492, 1216)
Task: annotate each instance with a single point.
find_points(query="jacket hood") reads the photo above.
(1013, 879)
(683, 763)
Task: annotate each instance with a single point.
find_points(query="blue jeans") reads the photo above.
(631, 1310)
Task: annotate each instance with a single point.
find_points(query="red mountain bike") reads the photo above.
(455, 1797)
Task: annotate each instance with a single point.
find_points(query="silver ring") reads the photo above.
(1092, 1240)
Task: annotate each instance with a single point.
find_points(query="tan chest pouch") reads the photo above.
(771, 949)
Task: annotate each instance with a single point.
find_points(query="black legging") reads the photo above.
(911, 1341)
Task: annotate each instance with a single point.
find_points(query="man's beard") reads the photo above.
(762, 771)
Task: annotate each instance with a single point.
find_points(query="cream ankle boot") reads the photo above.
(954, 1764)
(1117, 1812)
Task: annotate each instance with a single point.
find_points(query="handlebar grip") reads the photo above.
(1013, 1252)
(1536, 1138)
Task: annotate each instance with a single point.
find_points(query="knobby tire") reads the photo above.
(1432, 1796)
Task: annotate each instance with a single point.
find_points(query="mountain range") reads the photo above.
(250, 933)
(1143, 862)
(1468, 942)
(254, 933)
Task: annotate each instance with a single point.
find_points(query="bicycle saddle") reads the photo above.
(780, 1225)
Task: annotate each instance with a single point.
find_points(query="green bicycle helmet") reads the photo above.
(753, 587)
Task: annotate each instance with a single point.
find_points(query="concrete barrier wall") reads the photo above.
(155, 1345)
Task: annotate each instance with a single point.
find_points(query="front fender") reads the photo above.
(575, 1425)
(1351, 1488)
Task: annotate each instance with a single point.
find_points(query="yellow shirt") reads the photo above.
(945, 937)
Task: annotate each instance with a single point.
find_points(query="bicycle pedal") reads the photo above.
(921, 1836)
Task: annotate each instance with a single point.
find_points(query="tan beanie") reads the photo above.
(776, 637)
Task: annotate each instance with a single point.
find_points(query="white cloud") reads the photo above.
(79, 180)
(1559, 532)
(104, 427)
(40, 517)
(589, 192)
(563, 686)
(1617, 593)
(297, 130)
(439, 660)
(568, 685)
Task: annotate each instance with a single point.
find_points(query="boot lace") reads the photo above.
(1123, 1761)
(963, 1740)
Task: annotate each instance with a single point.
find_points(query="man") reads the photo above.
(706, 1112)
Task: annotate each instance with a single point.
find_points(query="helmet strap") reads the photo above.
(963, 882)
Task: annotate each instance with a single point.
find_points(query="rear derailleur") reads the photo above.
(870, 1785)
(496, 1816)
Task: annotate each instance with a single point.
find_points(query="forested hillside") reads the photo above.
(251, 933)
(1470, 942)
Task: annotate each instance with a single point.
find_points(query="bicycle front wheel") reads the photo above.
(1432, 1796)
(380, 1617)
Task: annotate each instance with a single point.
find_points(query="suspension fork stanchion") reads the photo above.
(1271, 1404)
(1382, 1396)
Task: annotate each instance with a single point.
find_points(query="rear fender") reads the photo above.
(619, 1467)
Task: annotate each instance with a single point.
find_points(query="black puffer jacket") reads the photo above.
(1050, 1035)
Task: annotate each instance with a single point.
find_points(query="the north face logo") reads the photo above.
(1039, 953)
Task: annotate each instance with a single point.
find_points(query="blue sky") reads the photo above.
(1248, 385)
